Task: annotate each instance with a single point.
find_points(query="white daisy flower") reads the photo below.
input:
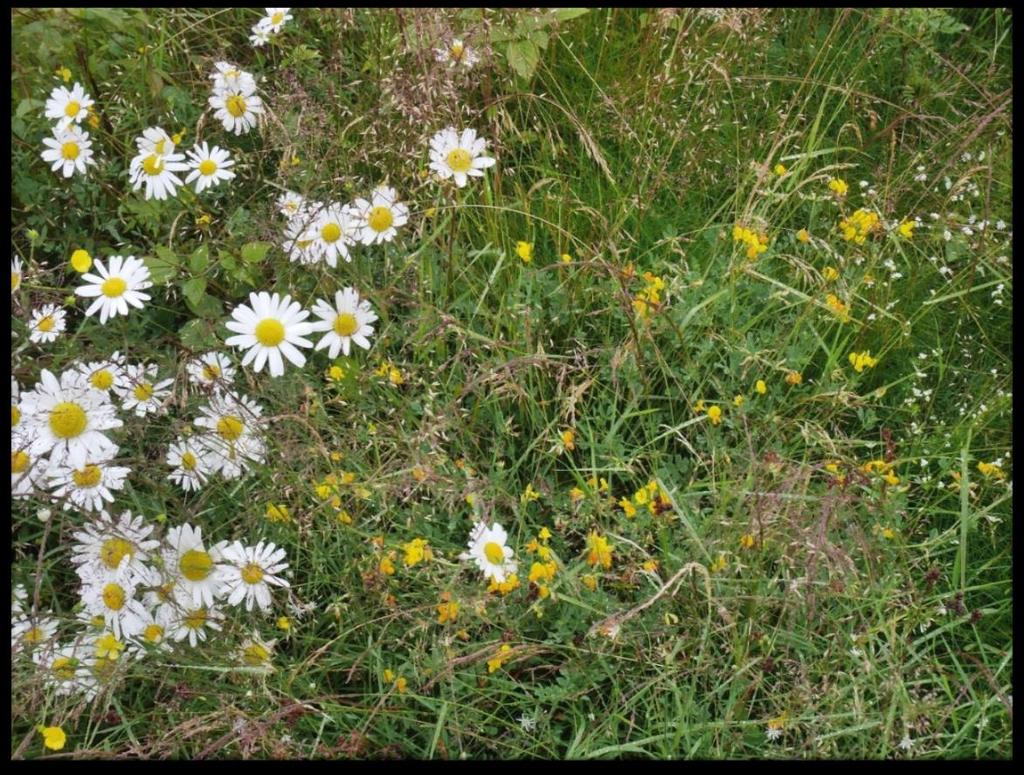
(32, 631)
(260, 36)
(336, 228)
(156, 173)
(301, 244)
(487, 548)
(117, 287)
(193, 622)
(104, 375)
(68, 107)
(191, 464)
(346, 322)
(47, 324)
(68, 150)
(67, 419)
(209, 166)
(27, 470)
(211, 370)
(140, 391)
(155, 633)
(16, 274)
(115, 601)
(154, 140)
(193, 567)
(457, 53)
(19, 598)
(275, 19)
(248, 572)
(237, 109)
(232, 441)
(108, 548)
(458, 156)
(229, 77)
(64, 670)
(89, 487)
(380, 217)
(290, 204)
(269, 328)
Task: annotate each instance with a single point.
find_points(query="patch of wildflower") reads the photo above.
(862, 360)
(755, 243)
(859, 226)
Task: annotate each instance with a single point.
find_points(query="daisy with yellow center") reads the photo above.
(140, 392)
(116, 287)
(156, 171)
(88, 487)
(211, 369)
(191, 467)
(238, 109)
(16, 274)
(348, 320)
(458, 156)
(290, 204)
(32, 631)
(68, 107)
(64, 670)
(336, 228)
(154, 140)
(209, 166)
(248, 573)
(193, 566)
(68, 150)
(47, 324)
(114, 600)
(107, 548)
(275, 19)
(380, 216)
(231, 441)
(193, 622)
(104, 375)
(268, 328)
(256, 653)
(457, 53)
(488, 550)
(229, 77)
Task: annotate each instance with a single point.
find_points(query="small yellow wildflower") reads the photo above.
(803, 235)
(576, 494)
(906, 229)
(204, 220)
(529, 494)
(794, 378)
(419, 474)
(81, 261)
(875, 467)
(344, 517)
(719, 565)
(525, 251)
(566, 258)
(569, 439)
(839, 308)
(387, 564)
(108, 647)
(599, 551)
(64, 74)
(504, 587)
(699, 406)
(991, 470)
(178, 136)
(592, 482)
(337, 456)
(746, 541)
(401, 684)
(388, 675)
(715, 414)
(859, 226)
(335, 374)
(53, 737)
(395, 376)
(284, 623)
(278, 513)
(641, 496)
(447, 611)
(780, 169)
(838, 187)
(888, 533)
(471, 499)
(542, 572)
(589, 581)
(830, 273)
(761, 387)
(861, 361)
(416, 551)
(651, 566)
(891, 479)
(544, 534)
(628, 508)
(756, 243)
(738, 400)
(494, 664)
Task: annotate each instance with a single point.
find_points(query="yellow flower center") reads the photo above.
(345, 324)
(70, 150)
(252, 573)
(188, 461)
(19, 462)
(457, 49)
(113, 597)
(207, 167)
(34, 635)
(196, 619)
(113, 550)
(211, 372)
(71, 109)
(195, 565)
(255, 655)
(459, 160)
(235, 105)
(229, 428)
(153, 165)
(380, 218)
(67, 420)
(143, 391)
(15, 415)
(113, 287)
(101, 380)
(269, 332)
(494, 552)
(153, 633)
(330, 233)
(87, 477)
(64, 668)
(46, 324)
(276, 18)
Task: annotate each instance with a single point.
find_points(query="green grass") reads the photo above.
(639, 141)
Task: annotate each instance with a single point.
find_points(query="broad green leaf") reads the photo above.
(200, 259)
(194, 290)
(163, 266)
(523, 57)
(254, 252)
(565, 14)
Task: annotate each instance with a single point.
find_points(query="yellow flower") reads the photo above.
(640, 497)
(284, 623)
(388, 675)
(543, 572)
(504, 587)
(838, 307)
(760, 387)
(803, 235)
(335, 373)
(830, 273)
(64, 73)
(278, 513)
(589, 581)
(719, 565)
(794, 378)
(178, 136)
(875, 467)
(650, 565)
(419, 474)
(53, 737)
(780, 169)
(888, 533)
(861, 361)
(81, 261)
(859, 226)
(416, 551)
(430, 212)
(401, 684)
(838, 187)
(395, 376)
(907, 229)
(525, 251)
(599, 550)
(344, 517)
(715, 414)
(891, 479)
(499, 659)
(447, 611)
(471, 499)
(628, 507)
(991, 470)
(204, 220)
(699, 406)
(756, 243)
(576, 494)
(387, 565)
(738, 400)
(529, 494)
(566, 258)
(544, 534)
(569, 439)
(108, 647)
(747, 541)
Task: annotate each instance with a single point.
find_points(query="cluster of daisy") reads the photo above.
(139, 594)
(230, 437)
(234, 98)
(270, 24)
(69, 148)
(156, 162)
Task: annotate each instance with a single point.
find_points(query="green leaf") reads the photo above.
(523, 57)
(565, 14)
(254, 252)
(200, 259)
(194, 290)
(198, 334)
(163, 266)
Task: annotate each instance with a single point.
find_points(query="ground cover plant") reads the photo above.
(554, 383)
